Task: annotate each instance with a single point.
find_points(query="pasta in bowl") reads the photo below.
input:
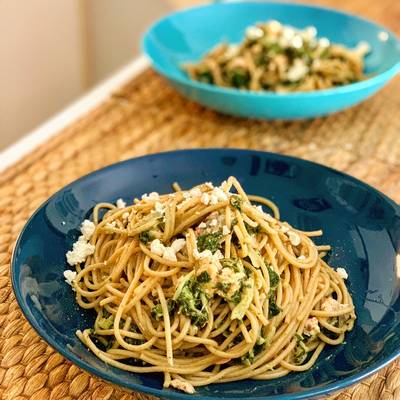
(205, 286)
(280, 58)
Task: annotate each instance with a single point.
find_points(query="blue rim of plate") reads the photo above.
(376, 79)
(304, 395)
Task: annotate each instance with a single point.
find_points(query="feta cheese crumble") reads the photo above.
(69, 276)
(153, 196)
(120, 203)
(182, 385)
(81, 249)
(225, 230)
(87, 229)
(297, 71)
(342, 273)
(311, 327)
(169, 253)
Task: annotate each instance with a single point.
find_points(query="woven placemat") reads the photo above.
(148, 116)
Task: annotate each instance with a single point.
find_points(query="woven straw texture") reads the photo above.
(148, 116)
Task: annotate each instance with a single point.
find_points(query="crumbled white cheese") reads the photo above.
(311, 327)
(169, 254)
(363, 48)
(186, 195)
(383, 36)
(153, 196)
(324, 42)
(274, 26)
(231, 51)
(213, 222)
(225, 230)
(254, 32)
(332, 305)
(69, 276)
(218, 255)
(200, 255)
(297, 42)
(342, 273)
(309, 33)
(125, 215)
(301, 257)
(202, 225)
(112, 224)
(178, 244)
(157, 247)
(217, 195)
(87, 229)
(81, 249)
(159, 207)
(205, 198)
(120, 203)
(195, 192)
(182, 385)
(259, 208)
(297, 71)
(294, 238)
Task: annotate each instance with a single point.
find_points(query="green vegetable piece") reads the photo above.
(223, 286)
(273, 278)
(239, 78)
(157, 312)
(209, 241)
(192, 301)
(204, 277)
(273, 309)
(236, 202)
(106, 322)
(233, 263)
(236, 297)
(251, 229)
(205, 77)
(145, 237)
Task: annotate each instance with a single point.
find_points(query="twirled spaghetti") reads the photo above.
(204, 286)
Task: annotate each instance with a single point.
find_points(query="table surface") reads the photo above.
(147, 116)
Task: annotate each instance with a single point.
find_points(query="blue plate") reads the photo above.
(187, 35)
(361, 224)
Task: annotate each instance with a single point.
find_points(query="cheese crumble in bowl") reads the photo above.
(272, 60)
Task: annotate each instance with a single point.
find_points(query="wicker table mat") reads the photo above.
(148, 116)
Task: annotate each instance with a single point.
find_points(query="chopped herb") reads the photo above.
(205, 77)
(209, 241)
(223, 286)
(236, 202)
(236, 297)
(157, 312)
(204, 277)
(273, 309)
(106, 321)
(273, 278)
(300, 351)
(145, 237)
(192, 302)
(239, 77)
(234, 222)
(251, 229)
(233, 263)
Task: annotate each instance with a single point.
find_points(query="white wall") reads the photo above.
(114, 30)
(41, 62)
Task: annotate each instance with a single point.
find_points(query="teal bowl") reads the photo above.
(187, 35)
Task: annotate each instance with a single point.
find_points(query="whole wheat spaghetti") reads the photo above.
(205, 286)
(280, 58)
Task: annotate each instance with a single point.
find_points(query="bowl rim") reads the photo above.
(377, 79)
(310, 393)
